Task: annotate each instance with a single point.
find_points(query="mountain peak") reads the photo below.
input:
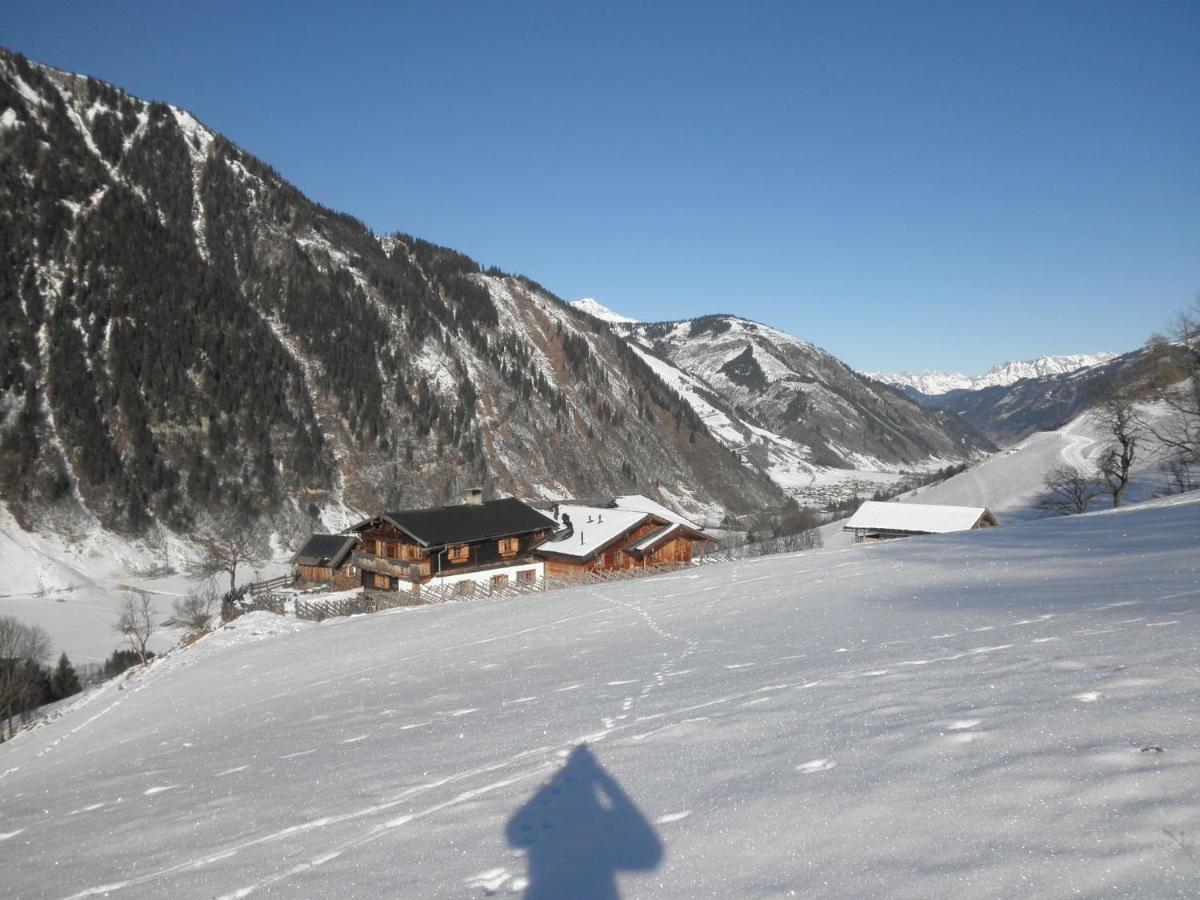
(932, 382)
(598, 310)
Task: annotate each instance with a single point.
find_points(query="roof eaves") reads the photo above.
(601, 548)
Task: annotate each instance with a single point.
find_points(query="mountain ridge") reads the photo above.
(194, 339)
(793, 409)
(931, 382)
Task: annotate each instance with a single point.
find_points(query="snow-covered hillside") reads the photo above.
(793, 411)
(933, 383)
(1000, 713)
(597, 309)
(1009, 482)
(73, 585)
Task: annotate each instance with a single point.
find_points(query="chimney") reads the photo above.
(473, 496)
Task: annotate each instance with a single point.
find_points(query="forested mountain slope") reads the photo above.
(186, 334)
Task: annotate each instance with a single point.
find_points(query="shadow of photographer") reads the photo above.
(579, 830)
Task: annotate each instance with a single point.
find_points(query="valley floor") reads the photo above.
(73, 587)
(993, 714)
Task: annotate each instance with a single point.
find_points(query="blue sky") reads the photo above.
(909, 185)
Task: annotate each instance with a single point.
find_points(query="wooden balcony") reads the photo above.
(396, 568)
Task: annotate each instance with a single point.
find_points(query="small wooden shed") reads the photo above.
(326, 558)
(878, 521)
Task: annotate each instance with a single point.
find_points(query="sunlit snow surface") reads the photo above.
(1004, 713)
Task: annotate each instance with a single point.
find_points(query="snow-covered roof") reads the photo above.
(595, 528)
(923, 518)
(645, 504)
(655, 536)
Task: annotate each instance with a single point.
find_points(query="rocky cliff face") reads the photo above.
(188, 338)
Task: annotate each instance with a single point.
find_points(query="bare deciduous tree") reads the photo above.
(136, 621)
(225, 554)
(22, 649)
(1180, 388)
(1179, 475)
(195, 610)
(1069, 490)
(1117, 415)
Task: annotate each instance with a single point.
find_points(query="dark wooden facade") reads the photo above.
(406, 549)
(390, 559)
(327, 559)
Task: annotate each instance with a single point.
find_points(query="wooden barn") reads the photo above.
(327, 558)
(876, 521)
(471, 544)
(598, 538)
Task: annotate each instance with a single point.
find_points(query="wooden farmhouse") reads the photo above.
(473, 544)
(597, 538)
(327, 558)
(876, 521)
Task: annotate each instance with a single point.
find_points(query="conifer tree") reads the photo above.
(65, 681)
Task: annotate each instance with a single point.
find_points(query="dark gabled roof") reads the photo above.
(325, 550)
(465, 523)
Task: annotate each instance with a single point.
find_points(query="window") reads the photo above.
(382, 582)
(526, 575)
(499, 582)
(380, 548)
(464, 588)
(508, 547)
(459, 553)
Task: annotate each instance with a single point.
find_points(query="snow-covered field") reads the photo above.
(1002, 713)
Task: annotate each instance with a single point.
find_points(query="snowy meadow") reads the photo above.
(1009, 712)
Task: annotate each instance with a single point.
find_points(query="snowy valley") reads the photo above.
(564, 644)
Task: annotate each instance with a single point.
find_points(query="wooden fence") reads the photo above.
(377, 601)
(260, 595)
(263, 587)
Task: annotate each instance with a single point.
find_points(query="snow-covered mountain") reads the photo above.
(933, 383)
(188, 337)
(1009, 413)
(594, 308)
(789, 404)
(1000, 713)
